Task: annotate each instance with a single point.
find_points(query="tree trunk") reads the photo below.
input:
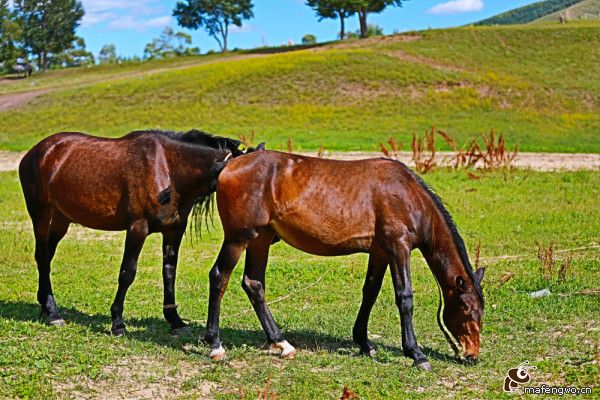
(342, 27)
(362, 17)
(45, 60)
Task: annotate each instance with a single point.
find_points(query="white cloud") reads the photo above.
(245, 28)
(128, 22)
(456, 7)
(120, 12)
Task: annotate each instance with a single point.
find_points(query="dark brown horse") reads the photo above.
(143, 182)
(331, 208)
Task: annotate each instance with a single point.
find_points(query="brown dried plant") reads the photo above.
(247, 141)
(290, 145)
(546, 257)
(321, 151)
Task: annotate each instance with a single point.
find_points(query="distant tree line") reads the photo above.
(44, 30)
(528, 13)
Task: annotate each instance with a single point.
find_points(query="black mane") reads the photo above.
(458, 241)
(198, 137)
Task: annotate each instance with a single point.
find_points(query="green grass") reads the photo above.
(537, 84)
(509, 215)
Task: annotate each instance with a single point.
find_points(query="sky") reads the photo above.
(130, 24)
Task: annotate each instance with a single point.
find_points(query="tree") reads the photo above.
(333, 9)
(309, 39)
(48, 26)
(10, 36)
(214, 15)
(365, 7)
(108, 54)
(372, 30)
(170, 44)
(75, 56)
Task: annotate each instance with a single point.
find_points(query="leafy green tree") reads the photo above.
(108, 54)
(10, 36)
(74, 56)
(365, 7)
(216, 16)
(333, 9)
(48, 26)
(309, 39)
(169, 44)
(372, 30)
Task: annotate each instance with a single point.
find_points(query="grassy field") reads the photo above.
(346, 96)
(510, 215)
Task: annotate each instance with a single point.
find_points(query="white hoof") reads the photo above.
(287, 350)
(217, 354)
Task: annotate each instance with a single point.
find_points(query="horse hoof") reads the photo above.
(287, 350)
(425, 366)
(117, 332)
(181, 331)
(217, 354)
(57, 322)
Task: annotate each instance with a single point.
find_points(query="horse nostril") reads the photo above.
(470, 360)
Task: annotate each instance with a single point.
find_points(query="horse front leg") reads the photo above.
(219, 276)
(170, 247)
(134, 241)
(400, 270)
(253, 283)
(375, 273)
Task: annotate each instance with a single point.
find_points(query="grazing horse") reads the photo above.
(143, 182)
(331, 208)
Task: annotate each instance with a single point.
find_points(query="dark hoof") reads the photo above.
(423, 365)
(368, 352)
(120, 331)
(181, 331)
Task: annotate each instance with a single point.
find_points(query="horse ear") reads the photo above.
(261, 146)
(479, 275)
(460, 283)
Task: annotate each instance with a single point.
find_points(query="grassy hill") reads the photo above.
(536, 83)
(528, 13)
(586, 9)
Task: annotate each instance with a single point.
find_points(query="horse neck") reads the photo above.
(441, 253)
(191, 166)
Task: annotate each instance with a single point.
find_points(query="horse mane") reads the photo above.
(198, 137)
(202, 206)
(457, 239)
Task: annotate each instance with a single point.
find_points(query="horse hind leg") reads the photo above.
(253, 283)
(49, 229)
(219, 276)
(375, 273)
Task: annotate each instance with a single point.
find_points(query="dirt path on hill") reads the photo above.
(14, 100)
(9, 160)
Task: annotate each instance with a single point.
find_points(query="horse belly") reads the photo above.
(323, 237)
(95, 204)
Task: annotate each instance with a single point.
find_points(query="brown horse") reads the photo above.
(144, 182)
(331, 208)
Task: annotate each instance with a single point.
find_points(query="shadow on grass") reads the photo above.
(155, 330)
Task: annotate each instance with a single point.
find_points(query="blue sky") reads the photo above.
(130, 24)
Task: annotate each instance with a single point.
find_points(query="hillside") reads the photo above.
(529, 13)
(531, 82)
(586, 9)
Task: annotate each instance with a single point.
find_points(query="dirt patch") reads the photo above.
(139, 377)
(9, 160)
(534, 161)
(14, 100)
(401, 55)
